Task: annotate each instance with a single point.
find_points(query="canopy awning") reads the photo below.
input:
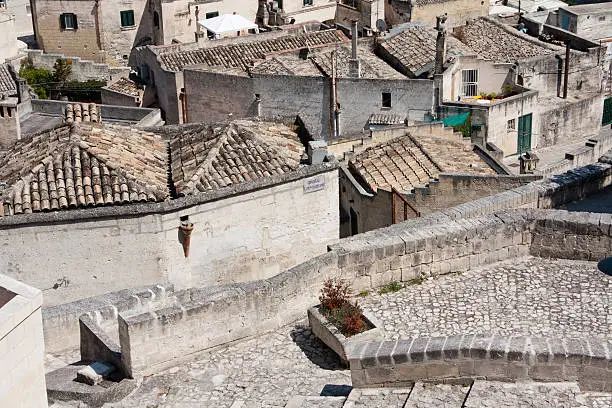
(227, 23)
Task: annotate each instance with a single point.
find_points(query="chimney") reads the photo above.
(354, 63)
(317, 151)
(440, 44)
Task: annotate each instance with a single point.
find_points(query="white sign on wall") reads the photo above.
(314, 184)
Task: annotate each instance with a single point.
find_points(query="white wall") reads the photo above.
(22, 382)
(249, 236)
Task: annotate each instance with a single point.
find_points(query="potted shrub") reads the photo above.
(339, 322)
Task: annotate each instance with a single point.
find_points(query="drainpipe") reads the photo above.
(559, 73)
(197, 21)
(99, 31)
(354, 64)
(183, 99)
(186, 229)
(567, 67)
(333, 101)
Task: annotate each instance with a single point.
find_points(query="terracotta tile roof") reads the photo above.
(124, 86)
(240, 55)
(406, 162)
(7, 83)
(318, 63)
(209, 157)
(414, 48)
(83, 165)
(496, 42)
(82, 112)
(383, 119)
(426, 2)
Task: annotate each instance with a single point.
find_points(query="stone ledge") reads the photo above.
(476, 356)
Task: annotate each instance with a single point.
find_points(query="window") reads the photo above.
(212, 14)
(68, 21)
(512, 124)
(308, 2)
(28, 10)
(156, 19)
(469, 82)
(127, 18)
(386, 99)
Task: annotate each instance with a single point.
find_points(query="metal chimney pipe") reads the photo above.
(354, 35)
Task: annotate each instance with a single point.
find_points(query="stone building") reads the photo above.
(523, 105)
(22, 11)
(23, 349)
(252, 204)
(426, 11)
(122, 92)
(161, 68)
(409, 172)
(10, 46)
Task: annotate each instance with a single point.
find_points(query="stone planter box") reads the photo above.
(331, 336)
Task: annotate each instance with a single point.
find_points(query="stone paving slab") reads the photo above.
(526, 296)
(485, 394)
(377, 397)
(437, 395)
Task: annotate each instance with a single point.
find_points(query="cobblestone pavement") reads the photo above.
(528, 296)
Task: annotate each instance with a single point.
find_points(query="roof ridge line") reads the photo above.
(210, 157)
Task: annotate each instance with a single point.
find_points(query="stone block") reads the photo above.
(94, 373)
(417, 350)
(491, 369)
(466, 367)
(383, 356)
(451, 347)
(546, 372)
(517, 371)
(401, 353)
(434, 348)
(441, 370)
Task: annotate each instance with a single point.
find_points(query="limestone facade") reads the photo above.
(22, 347)
(426, 11)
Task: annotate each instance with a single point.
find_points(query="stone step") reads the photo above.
(377, 397)
(428, 395)
(300, 401)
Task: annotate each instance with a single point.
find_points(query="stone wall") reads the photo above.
(453, 189)
(205, 318)
(459, 11)
(562, 121)
(82, 69)
(22, 349)
(458, 239)
(213, 96)
(496, 358)
(251, 231)
(82, 42)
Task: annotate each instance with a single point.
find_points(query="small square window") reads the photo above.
(512, 124)
(386, 99)
(127, 18)
(308, 2)
(68, 21)
(212, 14)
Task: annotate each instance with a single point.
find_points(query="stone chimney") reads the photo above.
(317, 151)
(440, 44)
(354, 63)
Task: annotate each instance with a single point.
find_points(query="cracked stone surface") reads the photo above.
(527, 296)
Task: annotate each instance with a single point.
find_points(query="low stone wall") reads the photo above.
(61, 323)
(453, 189)
(593, 148)
(459, 239)
(82, 70)
(207, 318)
(497, 358)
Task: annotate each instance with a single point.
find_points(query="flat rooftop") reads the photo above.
(595, 8)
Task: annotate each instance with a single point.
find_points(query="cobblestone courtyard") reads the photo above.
(530, 296)
(524, 296)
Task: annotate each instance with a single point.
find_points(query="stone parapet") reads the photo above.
(496, 358)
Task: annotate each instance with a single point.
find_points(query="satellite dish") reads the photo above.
(381, 25)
